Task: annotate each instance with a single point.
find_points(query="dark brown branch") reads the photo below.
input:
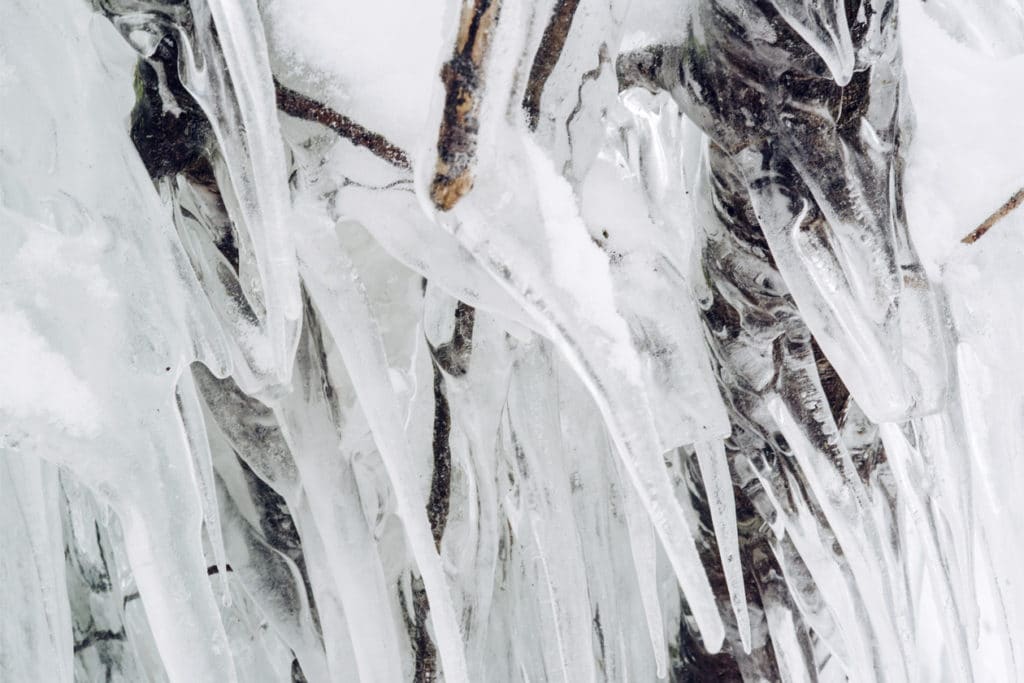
(302, 107)
(440, 483)
(453, 358)
(424, 651)
(463, 80)
(1012, 203)
(551, 46)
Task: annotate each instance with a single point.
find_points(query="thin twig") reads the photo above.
(1012, 203)
(551, 45)
(302, 107)
(463, 77)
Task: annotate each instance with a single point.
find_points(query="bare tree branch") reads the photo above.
(463, 79)
(550, 50)
(1012, 203)
(302, 107)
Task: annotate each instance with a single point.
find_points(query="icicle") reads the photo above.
(230, 78)
(823, 24)
(564, 310)
(202, 466)
(900, 457)
(842, 500)
(394, 219)
(276, 586)
(474, 386)
(189, 635)
(197, 216)
(332, 494)
(536, 445)
(796, 659)
(606, 508)
(645, 560)
(306, 430)
(714, 470)
(341, 658)
(332, 280)
(35, 639)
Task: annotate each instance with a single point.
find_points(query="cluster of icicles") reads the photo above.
(580, 388)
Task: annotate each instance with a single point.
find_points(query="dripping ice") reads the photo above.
(571, 340)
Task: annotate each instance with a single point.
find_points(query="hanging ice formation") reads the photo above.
(569, 340)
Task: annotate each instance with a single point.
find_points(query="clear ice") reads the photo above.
(564, 340)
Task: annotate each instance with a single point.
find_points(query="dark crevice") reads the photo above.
(168, 127)
(134, 595)
(95, 637)
(297, 675)
(835, 390)
(599, 632)
(279, 530)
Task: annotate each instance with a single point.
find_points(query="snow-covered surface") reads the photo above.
(967, 152)
(375, 61)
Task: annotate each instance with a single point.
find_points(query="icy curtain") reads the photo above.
(567, 340)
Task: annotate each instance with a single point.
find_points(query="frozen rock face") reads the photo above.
(479, 341)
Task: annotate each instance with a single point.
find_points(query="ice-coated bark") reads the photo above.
(823, 179)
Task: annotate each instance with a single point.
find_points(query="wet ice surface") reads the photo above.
(571, 340)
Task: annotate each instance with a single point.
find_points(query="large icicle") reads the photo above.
(102, 261)
(714, 470)
(202, 468)
(548, 516)
(311, 425)
(642, 545)
(572, 312)
(230, 78)
(334, 283)
(36, 638)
